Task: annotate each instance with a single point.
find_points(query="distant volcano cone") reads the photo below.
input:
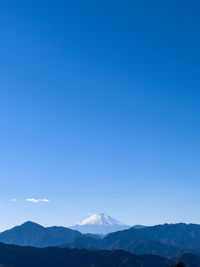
(100, 223)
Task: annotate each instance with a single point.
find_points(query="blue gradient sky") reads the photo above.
(99, 111)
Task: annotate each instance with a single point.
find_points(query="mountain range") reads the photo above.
(16, 256)
(168, 240)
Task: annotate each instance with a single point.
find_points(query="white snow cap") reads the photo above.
(100, 219)
(100, 223)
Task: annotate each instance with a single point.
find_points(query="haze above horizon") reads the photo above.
(99, 111)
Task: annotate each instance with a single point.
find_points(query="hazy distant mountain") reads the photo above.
(100, 223)
(33, 234)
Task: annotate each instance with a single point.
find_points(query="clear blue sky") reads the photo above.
(99, 111)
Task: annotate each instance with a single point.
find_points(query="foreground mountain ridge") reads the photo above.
(16, 256)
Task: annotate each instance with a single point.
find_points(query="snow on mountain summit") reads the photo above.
(99, 223)
(100, 219)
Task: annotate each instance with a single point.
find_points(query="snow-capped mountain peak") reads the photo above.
(100, 219)
(99, 223)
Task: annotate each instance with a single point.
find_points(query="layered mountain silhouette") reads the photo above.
(16, 256)
(100, 223)
(168, 240)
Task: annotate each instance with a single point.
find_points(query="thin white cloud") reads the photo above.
(13, 199)
(45, 200)
(37, 200)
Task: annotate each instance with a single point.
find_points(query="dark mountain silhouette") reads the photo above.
(179, 264)
(33, 234)
(16, 256)
(138, 247)
(190, 260)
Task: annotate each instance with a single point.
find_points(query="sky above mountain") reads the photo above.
(99, 111)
